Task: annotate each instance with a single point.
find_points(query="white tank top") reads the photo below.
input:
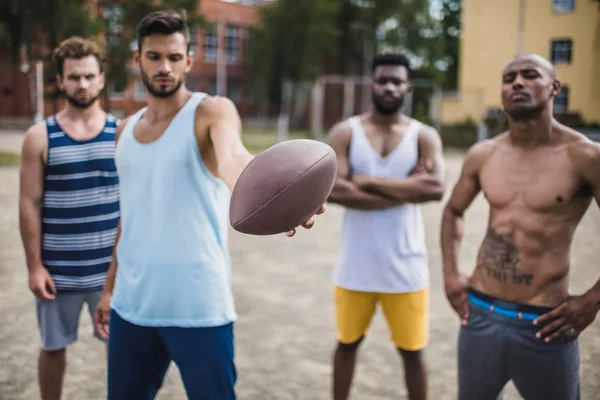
(383, 250)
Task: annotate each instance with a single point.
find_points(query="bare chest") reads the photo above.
(544, 181)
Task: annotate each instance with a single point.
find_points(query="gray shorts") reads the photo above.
(58, 319)
(495, 347)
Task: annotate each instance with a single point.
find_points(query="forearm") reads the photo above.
(111, 274)
(231, 170)
(594, 294)
(451, 237)
(30, 226)
(349, 195)
(413, 189)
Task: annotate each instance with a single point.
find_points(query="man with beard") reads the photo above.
(168, 292)
(68, 206)
(519, 321)
(388, 163)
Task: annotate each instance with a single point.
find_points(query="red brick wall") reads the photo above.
(14, 92)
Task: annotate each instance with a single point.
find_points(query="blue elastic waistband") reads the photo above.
(497, 309)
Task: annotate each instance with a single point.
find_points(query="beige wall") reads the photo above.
(490, 39)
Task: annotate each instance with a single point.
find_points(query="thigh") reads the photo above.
(482, 371)
(205, 359)
(354, 312)
(407, 316)
(137, 361)
(92, 299)
(544, 370)
(58, 319)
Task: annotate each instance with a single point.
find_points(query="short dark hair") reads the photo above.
(76, 48)
(163, 22)
(395, 59)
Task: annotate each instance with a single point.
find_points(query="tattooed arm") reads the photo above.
(463, 194)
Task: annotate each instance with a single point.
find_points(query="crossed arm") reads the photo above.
(375, 193)
(416, 188)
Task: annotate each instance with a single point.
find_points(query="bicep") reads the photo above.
(225, 131)
(32, 166)
(468, 185)
(431, 148)
(588, 158)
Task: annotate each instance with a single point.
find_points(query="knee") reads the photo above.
(350, 347)
(412, 357)
(54, 353)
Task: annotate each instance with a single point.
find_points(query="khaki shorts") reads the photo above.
(58, 319)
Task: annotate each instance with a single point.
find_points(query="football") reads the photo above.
(282, 187)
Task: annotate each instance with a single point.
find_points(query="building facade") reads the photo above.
(566, 32)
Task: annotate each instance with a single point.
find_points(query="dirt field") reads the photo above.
(285, 332)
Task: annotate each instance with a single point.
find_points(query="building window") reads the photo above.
(561, 100)
(212, 89)
(561, 51)
(210, 42)
(193, 42)
(114, 17)
(232, 46)
(234, 93)
(563, 6)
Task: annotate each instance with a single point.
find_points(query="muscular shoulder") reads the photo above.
(341, 131)
(430, 135)
(585, 155)
(479, 153)
(215, 107)
(35, 141)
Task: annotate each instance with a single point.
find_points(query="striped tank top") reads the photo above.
(80, 207)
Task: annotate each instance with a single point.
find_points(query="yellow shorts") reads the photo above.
(407, 316)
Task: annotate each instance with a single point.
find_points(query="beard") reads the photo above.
(161, 92)
(82, 104)
(523, 112)
(386, 109)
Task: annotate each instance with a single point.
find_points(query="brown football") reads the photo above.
(282, 187)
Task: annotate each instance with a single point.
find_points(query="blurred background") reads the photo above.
(296, 67)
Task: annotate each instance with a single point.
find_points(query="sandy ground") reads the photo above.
(285, 333)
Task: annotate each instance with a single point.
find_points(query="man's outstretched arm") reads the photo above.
(419, 187)
(345, 192)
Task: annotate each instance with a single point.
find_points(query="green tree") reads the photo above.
(39, 26)
(298, 40)
(451, 26)
(291, 42)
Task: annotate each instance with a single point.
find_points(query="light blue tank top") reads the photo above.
(174, 267)
(383, 250)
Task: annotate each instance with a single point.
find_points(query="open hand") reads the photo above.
(567, 320)
(456, 292)
(308, 223)
(41, 284)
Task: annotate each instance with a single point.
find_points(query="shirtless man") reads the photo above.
(388, 163)
(519, 321)
(168, 293)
